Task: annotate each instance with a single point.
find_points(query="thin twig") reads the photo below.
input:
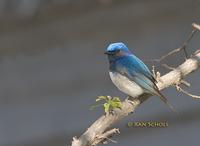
(185, 83)
(196, 28)
(187, 42)
(167, 55)
(187, 93)
(167, 66)
(153, 71)
(105, 136)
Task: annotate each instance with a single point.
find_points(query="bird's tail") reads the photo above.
(164, 99)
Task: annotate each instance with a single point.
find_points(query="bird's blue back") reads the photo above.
(134, 69)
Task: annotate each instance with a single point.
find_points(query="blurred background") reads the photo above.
(52, 68)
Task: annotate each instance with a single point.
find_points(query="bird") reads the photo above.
(129, 74)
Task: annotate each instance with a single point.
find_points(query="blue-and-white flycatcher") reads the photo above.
(129, 74)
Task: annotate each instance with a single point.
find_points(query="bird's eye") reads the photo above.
(113, 52)
(117, 51)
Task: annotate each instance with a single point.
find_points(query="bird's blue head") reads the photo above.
(116, 50)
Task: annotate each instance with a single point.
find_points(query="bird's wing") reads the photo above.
(134, 69)
(140, 67)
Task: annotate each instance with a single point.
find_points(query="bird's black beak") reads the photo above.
(107, 53)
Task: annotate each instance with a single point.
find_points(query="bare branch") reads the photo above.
(167, 55)
(196, 28)
(100, 126)
(105, 136)
(168, 67)
(98, 132)
(153, 71)
(187, 93)
(185, 83)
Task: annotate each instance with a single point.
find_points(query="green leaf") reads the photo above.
(116, 99)
(101, 98)
(106, 107)
(115, 104)
(110, 104)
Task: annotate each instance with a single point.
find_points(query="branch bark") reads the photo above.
(97, 131)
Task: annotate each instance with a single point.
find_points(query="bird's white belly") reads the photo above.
(125, 85)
